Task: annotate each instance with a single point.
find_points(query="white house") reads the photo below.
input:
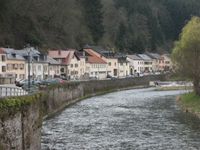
(136, 64)
(148, 62)
(36, 61)
(53, 67)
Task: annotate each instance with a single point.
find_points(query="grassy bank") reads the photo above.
(191, 103)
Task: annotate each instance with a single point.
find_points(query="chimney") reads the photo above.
(59, 52)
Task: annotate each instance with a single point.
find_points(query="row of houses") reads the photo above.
(90, 62)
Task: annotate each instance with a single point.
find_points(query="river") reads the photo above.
(139, 119)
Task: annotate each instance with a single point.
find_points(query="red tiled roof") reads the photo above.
(2, 51)
(93, 59)
(59, 53)
(66, 55)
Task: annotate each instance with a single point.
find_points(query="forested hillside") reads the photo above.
(130, 25)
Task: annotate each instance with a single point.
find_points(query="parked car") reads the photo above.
(53, 81)
(17, 82)
(111, 77)
(157, 73)
(25, 82)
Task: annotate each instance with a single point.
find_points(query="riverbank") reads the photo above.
(190, 103)
(173, 88)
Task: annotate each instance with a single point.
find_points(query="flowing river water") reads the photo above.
(140, 119)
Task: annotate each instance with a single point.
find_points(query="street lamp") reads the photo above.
(28, 48)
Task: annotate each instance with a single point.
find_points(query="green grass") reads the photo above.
(191, 101)
(17, 102)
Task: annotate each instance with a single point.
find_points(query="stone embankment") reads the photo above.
(21, 117)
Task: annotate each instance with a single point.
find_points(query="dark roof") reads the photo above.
(13, 54)
(144, 57)
(52, 61)
(153, 55)
(134, 57)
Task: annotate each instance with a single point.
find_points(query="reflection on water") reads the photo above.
(134, 119)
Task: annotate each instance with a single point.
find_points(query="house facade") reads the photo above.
(53, 67)
(165, 63)
(15, 64)
(36, 61)
(156, 59)
(3, 59)
(136, 64)
(148, 62)
(72, 66)
(96, 67)
(123, 67)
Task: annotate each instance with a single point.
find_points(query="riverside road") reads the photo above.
(140, 119)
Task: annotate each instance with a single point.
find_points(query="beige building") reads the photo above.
(96, 67)
(2, 62)
(123, 67)
(15, 64)
(165, 63)
(156, 59)
(112, 67)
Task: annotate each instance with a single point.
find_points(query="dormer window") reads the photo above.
(36, 58)
(13, 55)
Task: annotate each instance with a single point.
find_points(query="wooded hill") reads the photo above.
(128, 25)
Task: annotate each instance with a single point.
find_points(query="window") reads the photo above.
(45, 68)
(109, 64)
(21, 66)
(34, 69)
(76, 65)
(3, 68)
(15, 66)
(72, 65)
(62, 69)
(3, 58)
(39, 68)
(21, 76)
(9, 67)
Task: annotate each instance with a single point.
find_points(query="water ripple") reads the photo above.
(141, 119)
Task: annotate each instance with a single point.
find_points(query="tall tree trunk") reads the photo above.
(196, 86)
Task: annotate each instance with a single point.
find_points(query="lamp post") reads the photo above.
(29, 66)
